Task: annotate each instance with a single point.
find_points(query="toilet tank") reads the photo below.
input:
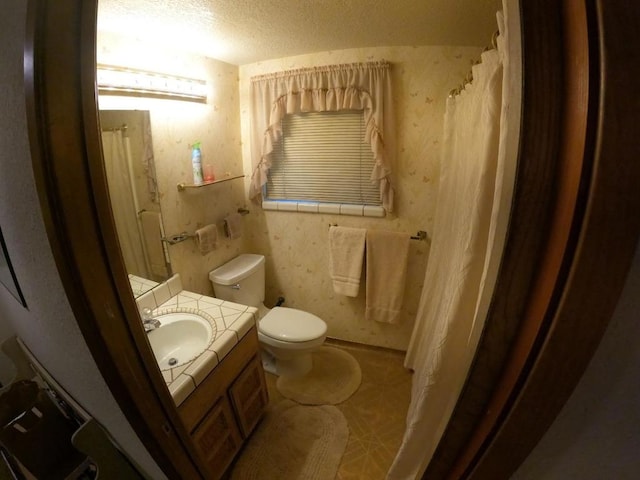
(240, 280)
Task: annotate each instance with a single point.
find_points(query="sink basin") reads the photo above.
(182, 336)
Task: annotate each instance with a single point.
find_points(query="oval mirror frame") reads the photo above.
(546, 285)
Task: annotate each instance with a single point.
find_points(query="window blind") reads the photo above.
(322, 157)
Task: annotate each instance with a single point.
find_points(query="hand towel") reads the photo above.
(387, 254)
(152, 233)
(233, 225)
(346, 252)
(206, 238)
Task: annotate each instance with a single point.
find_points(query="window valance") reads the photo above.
(358, 86)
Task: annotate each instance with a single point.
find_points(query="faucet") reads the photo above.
(148, 322)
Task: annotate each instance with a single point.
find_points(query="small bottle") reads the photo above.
(196, 162)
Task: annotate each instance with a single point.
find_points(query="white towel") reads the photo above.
(152, 233)
(346, 252)
(207, 238)
(387, 254)
(233, 225)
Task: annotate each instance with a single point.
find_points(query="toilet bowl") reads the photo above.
(288, 336)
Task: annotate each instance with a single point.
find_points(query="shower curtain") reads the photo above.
(453, 303)
(117, 159)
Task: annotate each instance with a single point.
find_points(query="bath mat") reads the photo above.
(295, 442)
(334, 377)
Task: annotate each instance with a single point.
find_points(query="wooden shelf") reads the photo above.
(185, 186)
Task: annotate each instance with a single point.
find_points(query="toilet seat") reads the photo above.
(291, 325)
(288, 349)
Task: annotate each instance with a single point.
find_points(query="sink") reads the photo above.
(181, 337)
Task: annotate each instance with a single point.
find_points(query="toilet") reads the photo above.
(287, 336)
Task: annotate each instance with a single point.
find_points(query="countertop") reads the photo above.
(231, 322)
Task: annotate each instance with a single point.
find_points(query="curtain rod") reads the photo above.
(323, 68)
(469, 77)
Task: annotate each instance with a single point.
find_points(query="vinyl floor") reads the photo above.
(375, 413)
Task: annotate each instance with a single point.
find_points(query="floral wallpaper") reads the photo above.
(296, 244)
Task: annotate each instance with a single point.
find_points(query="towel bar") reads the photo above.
(421, 235)
(181, 237)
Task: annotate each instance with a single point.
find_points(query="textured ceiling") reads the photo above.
(247, 31)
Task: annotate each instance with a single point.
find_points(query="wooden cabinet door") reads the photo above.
(217, 438)
(249, 395)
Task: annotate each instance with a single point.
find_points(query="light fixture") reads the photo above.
(127, 81)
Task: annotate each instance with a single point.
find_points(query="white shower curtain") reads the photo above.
(123, 204)
(448, 321)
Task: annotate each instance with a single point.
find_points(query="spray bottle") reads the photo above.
(196, 162)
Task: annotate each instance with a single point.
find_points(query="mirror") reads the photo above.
(295, 244)
(133, 188)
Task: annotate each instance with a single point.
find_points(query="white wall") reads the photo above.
(597, 434)
(48, 326)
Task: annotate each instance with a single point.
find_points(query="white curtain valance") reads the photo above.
(358, 86)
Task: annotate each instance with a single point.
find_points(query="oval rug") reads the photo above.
(295, 442)
(334, 377)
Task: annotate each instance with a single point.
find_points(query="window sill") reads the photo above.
(329, 208)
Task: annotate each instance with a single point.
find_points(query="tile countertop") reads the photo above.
(140, 285)
(232, 322)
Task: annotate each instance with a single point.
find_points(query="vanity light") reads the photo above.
(126, 81)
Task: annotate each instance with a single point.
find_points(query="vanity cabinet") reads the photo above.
(217, 438)
(249, 396)
(224, 409)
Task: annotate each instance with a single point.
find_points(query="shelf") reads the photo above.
(185, 186)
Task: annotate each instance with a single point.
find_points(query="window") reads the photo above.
(358, 90)
(322, 157)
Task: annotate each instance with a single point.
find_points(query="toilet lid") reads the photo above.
(291, 325)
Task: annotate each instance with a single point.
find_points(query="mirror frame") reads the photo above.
(534, 347)
(552, 277)
(66, 151)
(8, 277)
